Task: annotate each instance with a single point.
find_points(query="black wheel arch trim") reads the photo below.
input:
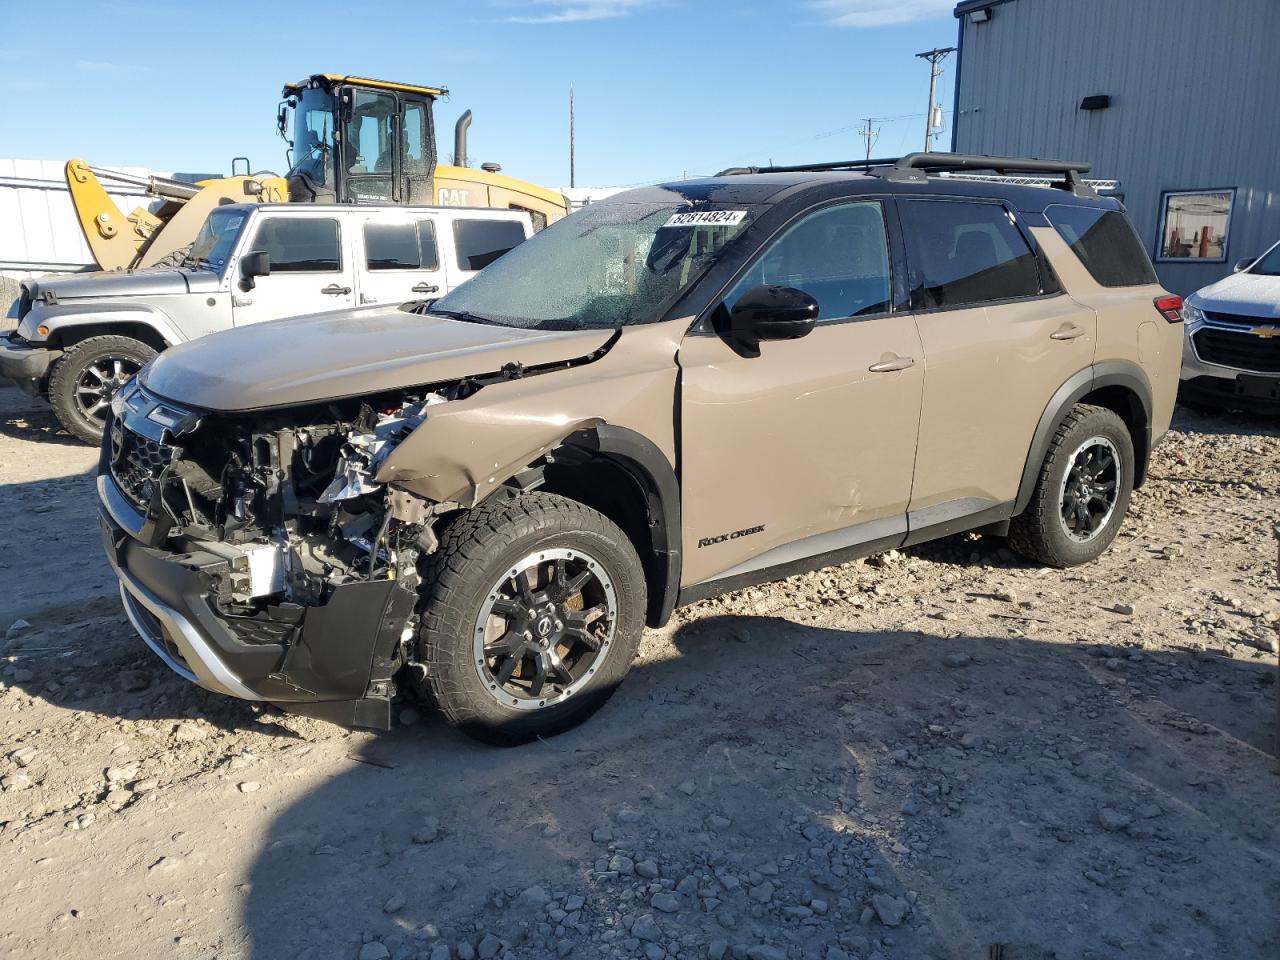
(651, 469)
(1109, 373)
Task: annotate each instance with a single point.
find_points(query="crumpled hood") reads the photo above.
(1247, 294)
(365, 350)
(125, 283)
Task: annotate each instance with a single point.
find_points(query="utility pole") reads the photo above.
(869, 135)
(573, 181)
(935, 57)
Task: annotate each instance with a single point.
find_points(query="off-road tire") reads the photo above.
(72, 365)
(473, 553)
(1038, 532)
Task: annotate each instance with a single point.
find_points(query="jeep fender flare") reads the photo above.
(656, 477)
(113, 316)
(1124, 374)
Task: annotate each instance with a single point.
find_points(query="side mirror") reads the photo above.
(772, 313)
(1243, 265)
(256, 264)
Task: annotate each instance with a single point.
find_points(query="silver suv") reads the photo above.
(1231, 354)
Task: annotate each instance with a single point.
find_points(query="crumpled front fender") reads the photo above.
(467, 448)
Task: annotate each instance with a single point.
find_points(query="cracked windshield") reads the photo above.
(615, 264)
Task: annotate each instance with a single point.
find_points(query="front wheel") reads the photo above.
(532, 612)
(86, 377)
(1082, 492)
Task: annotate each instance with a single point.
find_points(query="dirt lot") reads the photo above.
(944, 753)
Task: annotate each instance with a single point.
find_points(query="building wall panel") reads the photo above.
(1192, 84)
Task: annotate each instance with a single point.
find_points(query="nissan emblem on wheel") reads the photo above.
(671, 394)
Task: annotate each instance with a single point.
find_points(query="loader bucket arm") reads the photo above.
(143, 238)
(180, 230)
(114, 239)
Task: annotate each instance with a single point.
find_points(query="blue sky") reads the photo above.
(663, 87)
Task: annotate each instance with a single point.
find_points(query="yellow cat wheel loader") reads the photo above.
(351, 140)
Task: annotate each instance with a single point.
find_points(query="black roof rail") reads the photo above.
(916, 167)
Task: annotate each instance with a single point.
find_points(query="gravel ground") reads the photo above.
(938, 753)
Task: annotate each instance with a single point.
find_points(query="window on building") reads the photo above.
(837, 255)
(480, 242)
(1194, 225)
(1105, 243)
(300, 245)
(966, 252)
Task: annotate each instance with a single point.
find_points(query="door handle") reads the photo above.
(334, 290)
(424, 288)
(1068, 332)
(891, 363)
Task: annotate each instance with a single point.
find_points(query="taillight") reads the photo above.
(1170, 307)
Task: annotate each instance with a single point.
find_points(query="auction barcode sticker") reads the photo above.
(707, 218)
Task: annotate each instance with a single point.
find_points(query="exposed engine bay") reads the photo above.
(280, 516)
(292, 495)
(273, 554)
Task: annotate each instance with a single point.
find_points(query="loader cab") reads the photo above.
(356, 140)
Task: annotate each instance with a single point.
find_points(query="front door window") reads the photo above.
(308, 271)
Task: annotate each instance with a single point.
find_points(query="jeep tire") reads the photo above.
(551, 588)
(1081, 493)
(84, 379)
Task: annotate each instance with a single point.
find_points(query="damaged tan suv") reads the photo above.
(677, 392)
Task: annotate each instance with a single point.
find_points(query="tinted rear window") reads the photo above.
(1105, 243)
(427, 239)
(966, 253)
(392, 246)
(480, 242)
(401, 246)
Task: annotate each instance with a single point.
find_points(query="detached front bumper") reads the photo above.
(26, 365)
(334, 661)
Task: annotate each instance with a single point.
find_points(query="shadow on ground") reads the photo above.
(31, 420)
(1220, 422)
(806, 791)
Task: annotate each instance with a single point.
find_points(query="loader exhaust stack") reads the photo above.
(460, 139)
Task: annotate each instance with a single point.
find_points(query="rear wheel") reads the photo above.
(532, 611)
(1082, 492)
(86, 377)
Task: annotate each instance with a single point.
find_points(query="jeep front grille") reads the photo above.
(1241, 348)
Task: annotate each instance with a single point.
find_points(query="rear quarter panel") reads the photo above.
(1129, 327)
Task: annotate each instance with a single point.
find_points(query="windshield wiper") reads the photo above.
(462, 315)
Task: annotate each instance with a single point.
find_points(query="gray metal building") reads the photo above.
(1176, 99)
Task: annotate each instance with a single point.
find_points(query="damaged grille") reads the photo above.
(261, 630)
(137, 462)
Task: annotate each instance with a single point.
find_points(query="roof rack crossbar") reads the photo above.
(810, 167)
(917, 167)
